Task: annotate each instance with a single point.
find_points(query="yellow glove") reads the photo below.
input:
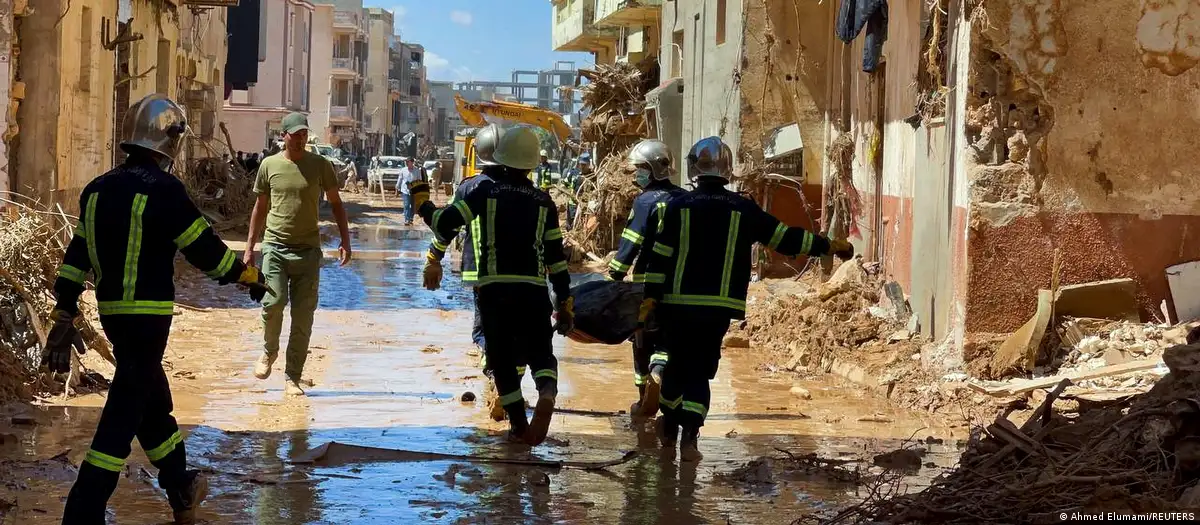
(841, 248)
(646, 310)
(253, 279)
(565, 316)
(420, 193)
(432, 273)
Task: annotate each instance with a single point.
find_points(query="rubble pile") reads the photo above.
(606, 202)
(1133, 456)
(842, 319)
(32, 242)
(223, 191)
(615, 98)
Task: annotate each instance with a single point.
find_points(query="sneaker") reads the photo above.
(262, 369)
(292, 388)
(185, 501)
(689, 449)
(668, 433)
(542, 414)
(649, 404)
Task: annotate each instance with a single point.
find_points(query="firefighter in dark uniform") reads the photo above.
(518, 244)
(697, 281)
(134, 220)
(485, 147)
(652, 159)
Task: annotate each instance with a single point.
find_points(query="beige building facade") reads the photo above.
(377, 121)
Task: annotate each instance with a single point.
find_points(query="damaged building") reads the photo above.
(985, 149)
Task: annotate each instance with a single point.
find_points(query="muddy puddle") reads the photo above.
(389, 363)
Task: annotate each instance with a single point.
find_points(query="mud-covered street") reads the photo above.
(391, 362)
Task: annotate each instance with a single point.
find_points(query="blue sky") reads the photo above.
(478, 39)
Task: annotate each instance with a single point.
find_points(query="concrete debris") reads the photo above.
(801, 392)
(900, 459)
(1125, 456)
(736, 340)
(1114, 299)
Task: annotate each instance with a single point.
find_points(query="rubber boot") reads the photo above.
(689, 449)
(518, 424)
(186, 498)
(89, 495)
(653, 389)
(668, 432)
(543, 412)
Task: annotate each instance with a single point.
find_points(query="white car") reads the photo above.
(384, 171)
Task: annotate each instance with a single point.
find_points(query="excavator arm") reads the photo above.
(473, 115)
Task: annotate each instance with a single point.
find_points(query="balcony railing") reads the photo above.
(628, 13)
(339, 112)
(575, 29)
(348, 64)
(346, 20)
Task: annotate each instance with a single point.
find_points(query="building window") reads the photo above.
(341, 93)
(85, 49)
(163, 80)
(721, 21)
(677, 54)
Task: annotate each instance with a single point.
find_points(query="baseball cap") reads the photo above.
(294, 122)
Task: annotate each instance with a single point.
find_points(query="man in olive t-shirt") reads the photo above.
(289, 185)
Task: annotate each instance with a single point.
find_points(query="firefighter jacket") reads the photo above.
(438, 246)
(134, 219)
(702, 257)
(642, 229)
(543, 176)
(514, 233)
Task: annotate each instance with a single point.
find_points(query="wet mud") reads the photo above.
(376, 384)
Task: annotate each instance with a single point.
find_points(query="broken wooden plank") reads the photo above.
(1030, 385)
(1044, 410)
(1020, 349)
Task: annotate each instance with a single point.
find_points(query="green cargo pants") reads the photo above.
(294, 273)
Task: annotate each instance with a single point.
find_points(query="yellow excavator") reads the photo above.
(473, 114)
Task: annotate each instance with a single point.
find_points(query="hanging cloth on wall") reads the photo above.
(853, 16)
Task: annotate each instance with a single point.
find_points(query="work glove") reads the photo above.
(420, 193)
(57, 354)
(564, 316)
(841, 248)
(253, 280)
(645, 321)
(433, 272)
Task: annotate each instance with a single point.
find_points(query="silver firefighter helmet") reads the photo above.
(485, 144)
(710, 157)
(652, 158)
(155, 123)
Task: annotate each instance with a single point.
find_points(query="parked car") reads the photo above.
(384, 171)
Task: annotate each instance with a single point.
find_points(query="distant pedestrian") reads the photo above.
(408, 174)
(289, 185)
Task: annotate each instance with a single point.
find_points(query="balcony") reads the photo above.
(393, 85)
(345, 22)
(340, 114)
(628, 13)
(575, 30)
(344, 68)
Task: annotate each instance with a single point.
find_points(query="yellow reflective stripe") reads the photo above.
(554, 234)
(560, 266)
(632, 236)
(224, 266)
(165, 448)
(136, 307)
(90, 221)
(133, 249)
(470, 276)
(511, 397)
(439, 245)
(104, 461)
(650, 278)
(670, 403)
(80, 231)
(193, 232)
(72, 273)
(692, 406)
(808, 242)
(662, 215)
(664, 250)
(685, 233)
(491, 234)
(618, 265)
(476, 238)
(488, 279)
(546, 373)
(735, 220)
(521, 371)
(659, 358)
(465, 210)
(705, 300)
(780, 230)
(639, 379)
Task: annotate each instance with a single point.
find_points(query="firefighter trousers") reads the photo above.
(516, 325)
(138, 405)
(647, 354)
(692, 337)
